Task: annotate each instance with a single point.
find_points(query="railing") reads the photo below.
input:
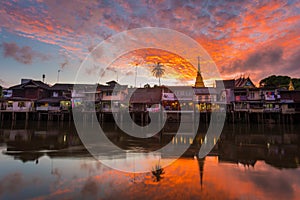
(240, 108)
(111, 98)
(277, 110)
(254, 98)
(110, 109)
(47, 108)
(288, 110)
(19, 109)
(256, 110)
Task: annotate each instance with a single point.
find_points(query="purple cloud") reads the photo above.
(23, 54)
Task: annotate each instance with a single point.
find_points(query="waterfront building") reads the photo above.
(31, 89)
(290, 101)
(112, 95)
(205, 99)
(18, 104)
(255, 100)
(144, 99)
(225, 93)
(59, 98)
(241, 94)
(177, 98)
(84, 95)
(271, 99)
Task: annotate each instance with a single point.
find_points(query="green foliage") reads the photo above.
(296, 82)
(147, 86)
(279, 82)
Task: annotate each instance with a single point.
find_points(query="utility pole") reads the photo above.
(135, 74)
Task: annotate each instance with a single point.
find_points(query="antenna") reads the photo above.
(58, 75)
(135, 74)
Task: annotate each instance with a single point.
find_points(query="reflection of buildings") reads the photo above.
(201, 169)
(281, 151)
(29, 145)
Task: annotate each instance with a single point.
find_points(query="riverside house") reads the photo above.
(290, 101)
(240, 91)
(176, 98)
(59, 98)
(85, 96)
(205, 99)
(112, 95)
(24, 95)
(145, 99)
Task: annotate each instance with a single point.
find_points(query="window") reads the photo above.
(21, 104)
(55, 94)
(10, 104)
(269, 105)
(116, 104)
(252, 95)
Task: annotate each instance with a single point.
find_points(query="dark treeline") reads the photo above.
(279, 82)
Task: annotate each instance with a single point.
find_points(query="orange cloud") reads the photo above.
(229, 31)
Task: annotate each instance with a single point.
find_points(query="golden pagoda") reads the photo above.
(291, 86)
(199, 80)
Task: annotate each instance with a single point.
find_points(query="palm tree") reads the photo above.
(157, 172)
(158, 71)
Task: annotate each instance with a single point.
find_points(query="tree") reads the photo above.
(158, 71)
(279, 82)
(0, 91)
(147, 86)
(296, 83)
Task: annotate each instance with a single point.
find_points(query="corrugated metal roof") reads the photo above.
(145, 95)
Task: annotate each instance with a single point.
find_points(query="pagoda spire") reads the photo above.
(198, 64)
(199, 80)
(291, 85)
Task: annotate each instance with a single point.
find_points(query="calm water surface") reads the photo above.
(48, 161)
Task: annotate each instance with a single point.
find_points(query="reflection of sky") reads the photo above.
(251, 37)
(87, 178)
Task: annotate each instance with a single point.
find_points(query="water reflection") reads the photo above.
(261, 161)
(158, 172)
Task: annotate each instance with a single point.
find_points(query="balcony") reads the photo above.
(288, 110)
(240, 98)
(272, 110)
(48, 108)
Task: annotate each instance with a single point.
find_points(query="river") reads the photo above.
(47, 160)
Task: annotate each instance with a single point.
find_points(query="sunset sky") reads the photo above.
(256, 38)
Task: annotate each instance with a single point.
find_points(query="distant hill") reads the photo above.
(279, 82)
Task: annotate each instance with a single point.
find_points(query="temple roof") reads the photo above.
(244, 82)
